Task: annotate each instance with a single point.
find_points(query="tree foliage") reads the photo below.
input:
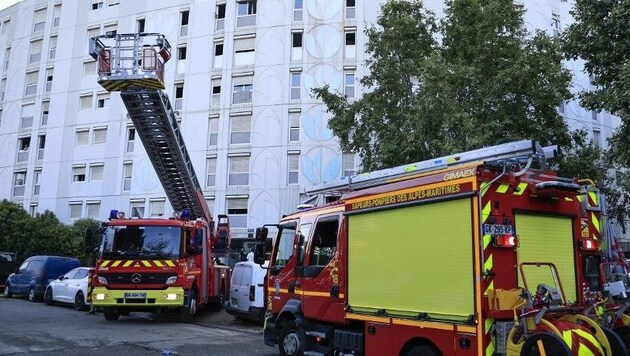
(43, 234)
(601, 37)
(485, 81)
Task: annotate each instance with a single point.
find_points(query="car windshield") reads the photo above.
(147, 242)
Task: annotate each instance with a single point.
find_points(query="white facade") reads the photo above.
(239, 76)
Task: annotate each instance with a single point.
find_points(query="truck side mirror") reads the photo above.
(261, 233)
(259, 254)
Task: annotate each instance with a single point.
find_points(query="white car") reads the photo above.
(71, 288)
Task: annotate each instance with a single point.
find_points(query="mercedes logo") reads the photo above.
(136, 278)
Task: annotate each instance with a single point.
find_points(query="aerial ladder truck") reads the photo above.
(485, 252)
(151, 264)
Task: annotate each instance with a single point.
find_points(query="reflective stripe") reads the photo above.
(170, 263)
(520, 189)
(146, 263)
(595, 221)
(127, 264)
(487, 265)
(105, 263)
(158, 263)
(502, 188)
(116, 263)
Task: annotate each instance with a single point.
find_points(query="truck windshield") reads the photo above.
(148, 242)
(284, 244)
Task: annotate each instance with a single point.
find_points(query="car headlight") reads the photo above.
(171, 280)
(102, 280)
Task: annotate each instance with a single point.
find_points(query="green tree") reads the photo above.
(13, 219)
(601, 37)
(486, 81)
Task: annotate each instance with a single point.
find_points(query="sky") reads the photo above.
(6, 3)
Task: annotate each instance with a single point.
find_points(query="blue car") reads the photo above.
(35, 273)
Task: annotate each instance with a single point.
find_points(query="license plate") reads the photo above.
(135, 295)
(492, 229)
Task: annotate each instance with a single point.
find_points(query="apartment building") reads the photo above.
(240, 79)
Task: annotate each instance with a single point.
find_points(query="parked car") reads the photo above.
(8, 264)
(246, 291)
(33, 276)
(71, 288)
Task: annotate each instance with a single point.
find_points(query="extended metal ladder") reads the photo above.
(135, 68)
(525, 151)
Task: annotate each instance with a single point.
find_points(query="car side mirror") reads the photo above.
(261, 233)
(60, 278)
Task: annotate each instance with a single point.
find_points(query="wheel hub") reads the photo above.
(291, 343)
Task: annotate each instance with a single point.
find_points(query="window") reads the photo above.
(246, 13)
(237, 211)
(561, 108)
(296, 39)
(213, 128)
(179, 96)
(93, 209)
(82, 137)
(86, 101)
(19, 183)
(594, 115)
(294, 126)
(113, 2)
(53, 48)
(24, 144)
(216, 93)
(100, 135)
(350, 9)
(324, 243)
(244, 50)
(211, 163)
(183, 29)
(41, 145)
(349, 85)
(293, 159)
(347, 164)
(96, 172)
(3, 85)
(7, 56)
(28, 111)
(127, 168)
(97, 4)
(240, 129)
(297, 10)
(220, 16)
(49, 80)
(238, 170)
(181, 52)
(131, 138)
(218, 48)
(74, 209)
(31, 83)
(92, 32)
(597, 137)
(32, 210)
(296, 79)
(89, 67)
(111, 29)
(555, 24)
(102, 100)
(243, 89)
(37, 174)
(39, 20)
(156, 207)
(350, 49)
(45, 105)
(56, 15)
(140, 25)
(78, 173)
(137, 208)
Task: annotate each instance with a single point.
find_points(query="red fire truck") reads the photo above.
(476, 253)
(156, 264)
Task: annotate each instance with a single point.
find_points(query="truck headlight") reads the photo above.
(100, 296)
(170, 296)
(171, 280)
(102, 280)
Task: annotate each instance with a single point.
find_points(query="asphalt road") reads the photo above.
(39, 329)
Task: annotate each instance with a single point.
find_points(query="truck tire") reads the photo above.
(423, 350)
(187, 313)
(48, 296)
(617, 344)
(111, 313)
(624, 334)
(7, 291)
(291, 340)
(553, 345)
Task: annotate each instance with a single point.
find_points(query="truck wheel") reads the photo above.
(545, 344)
(48, 296)
(624, 333)
(111, 313)
(7, 291)
(422, 350)
(31, 295)
(79, 301)
(187, 313)
(617, 346)
(291, 341)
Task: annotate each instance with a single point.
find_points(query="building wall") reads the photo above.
(260, 50)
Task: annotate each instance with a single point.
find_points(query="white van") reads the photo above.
(247, 291)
